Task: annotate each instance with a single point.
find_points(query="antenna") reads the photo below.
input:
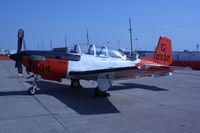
(88, 43)
(131, 40)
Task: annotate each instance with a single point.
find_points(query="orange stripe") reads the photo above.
(50, 69)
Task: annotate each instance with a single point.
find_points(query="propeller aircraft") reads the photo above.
(99, 64)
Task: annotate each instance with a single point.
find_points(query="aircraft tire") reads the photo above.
(99, 93)
(75, 83)
(32, 90)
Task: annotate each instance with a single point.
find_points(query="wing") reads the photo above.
(123, 72)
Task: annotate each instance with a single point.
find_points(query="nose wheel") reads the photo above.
(32, 90)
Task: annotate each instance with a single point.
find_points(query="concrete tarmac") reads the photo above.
(147, 105)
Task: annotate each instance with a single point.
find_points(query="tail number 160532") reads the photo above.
(162, 57)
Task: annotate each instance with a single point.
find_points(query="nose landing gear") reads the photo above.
(32, 90)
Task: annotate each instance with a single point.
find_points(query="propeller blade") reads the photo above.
(18, 64)
(18, 56)
(20, 69)
(20, 40)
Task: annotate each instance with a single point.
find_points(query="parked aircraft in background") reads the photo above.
(100, 64)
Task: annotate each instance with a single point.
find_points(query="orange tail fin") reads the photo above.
(163, 54)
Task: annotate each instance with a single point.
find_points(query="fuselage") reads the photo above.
(55, 66)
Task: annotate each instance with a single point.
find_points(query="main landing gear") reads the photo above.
(32, 90)
(104, 83)
(99, 93)
(75, 83)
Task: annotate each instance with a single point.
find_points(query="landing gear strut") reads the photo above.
(32, 90)
(99, 93)
(75, 83)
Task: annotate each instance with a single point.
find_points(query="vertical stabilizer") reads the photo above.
(163, 54)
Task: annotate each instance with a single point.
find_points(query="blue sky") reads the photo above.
(106, 20)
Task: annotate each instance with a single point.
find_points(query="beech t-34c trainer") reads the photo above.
(98, 64)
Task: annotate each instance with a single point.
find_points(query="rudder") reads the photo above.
(163, 54)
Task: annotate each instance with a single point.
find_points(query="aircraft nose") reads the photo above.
(15, 57)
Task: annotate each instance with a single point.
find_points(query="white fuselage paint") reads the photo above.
(91, 62)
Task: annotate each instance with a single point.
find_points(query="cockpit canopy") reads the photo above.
(98, 51)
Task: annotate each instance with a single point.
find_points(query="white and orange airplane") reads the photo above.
(98, 64)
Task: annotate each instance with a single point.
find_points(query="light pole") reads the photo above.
(42, 46)
(87, 36)
(108, 42)
(65, 41)
(51, 45)
(38, 46)
(136, 41)
(130, 30)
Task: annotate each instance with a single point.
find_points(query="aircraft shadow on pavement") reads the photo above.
(124, 86)
(80, 100)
